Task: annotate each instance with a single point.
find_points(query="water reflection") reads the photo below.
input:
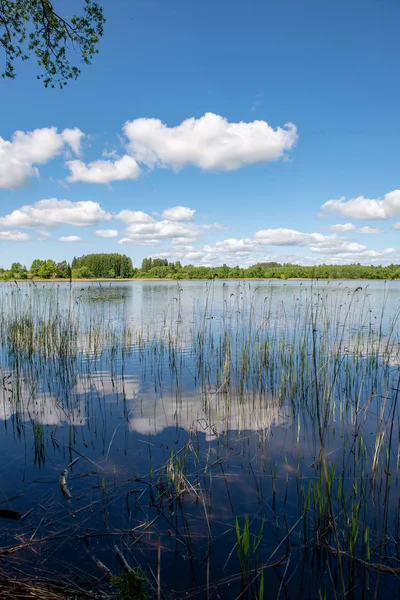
(149, 412)
(192, 405)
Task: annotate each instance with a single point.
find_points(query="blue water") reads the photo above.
(123, 405)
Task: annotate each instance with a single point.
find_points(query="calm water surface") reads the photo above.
(193, 408)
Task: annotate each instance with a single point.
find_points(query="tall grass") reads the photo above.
(324, 366)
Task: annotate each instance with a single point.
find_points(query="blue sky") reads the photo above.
(227, 132)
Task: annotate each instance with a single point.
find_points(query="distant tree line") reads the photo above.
(42, 269)
(102, 266)
(119, 266)
(160, 268)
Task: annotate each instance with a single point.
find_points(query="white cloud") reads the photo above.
(137, 241)
(44, 234)
(13, 236)
(292, 259)
(378, 257)
(316, 242)
(106, 233)
(365, 208)
(180, 249)
(19, 157)
(134, 216)
(335, 245)
(370, 230)
(396, 225)
(342, 227)
(178, 213)
(145, 230)
(194, 256)
(73, 137)
(70, 238)
(103, 171)
(288, 237)
(185, 239)
(233, 251)
(161, 230)
(220, 226)
(248, 251)
(232, 245)
(48, 213)
(210, 142)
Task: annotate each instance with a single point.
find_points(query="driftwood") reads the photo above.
(43, 589)
(122, 558)
(103, 568)
(375, 566)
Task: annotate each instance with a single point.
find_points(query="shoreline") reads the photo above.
(99, 279)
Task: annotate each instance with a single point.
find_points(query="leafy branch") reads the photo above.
(34, 28)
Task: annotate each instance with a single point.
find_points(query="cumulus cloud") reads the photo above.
(342, 227)
(246, 251)
(194, 256)
(44, 234)
(178, 213)
(144, 230)
(220, 226)
(293, 259)
(73, 137)
(70, 238)
(161, 230)
(335, 245)
(365, 208)
(315, 242)
(46, 214)
(181, 248)
(370, 230)
(377, 257)
(288, 237)
(13, 236)
(106, 233)
(134, 216)
(138, 241)
(103, 171)
(210, 142)
(232, 245)
(20, 156)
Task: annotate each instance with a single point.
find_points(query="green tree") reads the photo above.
(34, 28)
(16, 267)
(147, 264)
(63, 270)
(35, 266)
(105, 265)
(82, 273)
(48, 269)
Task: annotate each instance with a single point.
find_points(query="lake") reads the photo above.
(233, 439)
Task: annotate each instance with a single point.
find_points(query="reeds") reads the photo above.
(323, 368)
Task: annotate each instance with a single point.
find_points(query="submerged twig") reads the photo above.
(375, 566)
(63, 484)
(122, 558)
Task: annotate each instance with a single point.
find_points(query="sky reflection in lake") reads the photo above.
(195, 404)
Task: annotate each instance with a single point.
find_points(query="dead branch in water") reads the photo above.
(43, 589)
(375, 566)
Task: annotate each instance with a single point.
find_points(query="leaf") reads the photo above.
(261, 590)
